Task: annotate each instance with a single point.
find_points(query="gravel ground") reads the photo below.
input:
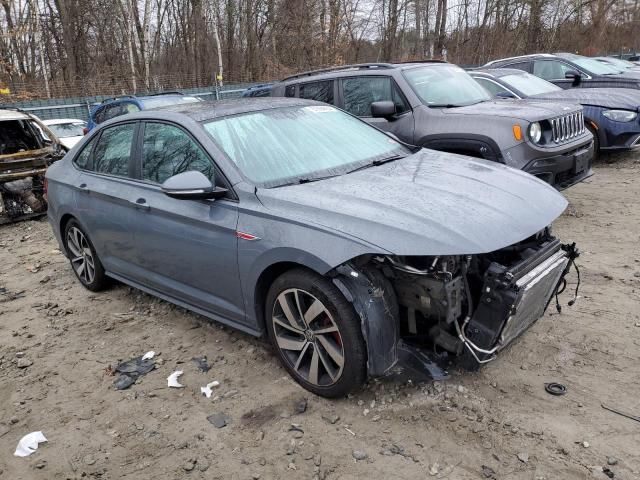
(59, 343)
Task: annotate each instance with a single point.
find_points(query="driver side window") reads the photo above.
(493, 88)
(168, 150)
(550, 69)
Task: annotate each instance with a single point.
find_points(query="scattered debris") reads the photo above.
(620, 412)
(149, 355)
(24, 362)
(359, 455)
(434, 469)
(29, 444)
(172, 380)
(202, 364)
(218, 420)
(585, 444)
(301, 406)
(488, 472)
(131, 370)
(331, 417)
(523, 457)
(608, 472)
(612, 461)
(207, 389)
(555, 388)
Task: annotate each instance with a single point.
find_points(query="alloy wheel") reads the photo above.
(82, 259)
(308, 337)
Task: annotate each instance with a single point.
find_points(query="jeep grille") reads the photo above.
(567, 127)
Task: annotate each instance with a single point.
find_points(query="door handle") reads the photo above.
(141, 204)
(83, 188)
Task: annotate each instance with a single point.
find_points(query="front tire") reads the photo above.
(316, 333)
(83, 258)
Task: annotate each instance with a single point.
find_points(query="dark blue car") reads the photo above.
(115, 107)
(611, 114)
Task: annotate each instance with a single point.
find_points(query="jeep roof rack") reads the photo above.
(163, 93)
(355, 66)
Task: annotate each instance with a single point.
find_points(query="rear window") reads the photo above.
(319, 91)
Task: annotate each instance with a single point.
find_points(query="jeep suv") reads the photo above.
(438, 105)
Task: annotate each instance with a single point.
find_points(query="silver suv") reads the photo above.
(438, 105)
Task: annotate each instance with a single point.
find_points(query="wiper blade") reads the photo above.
(443, 105)
(377, 162)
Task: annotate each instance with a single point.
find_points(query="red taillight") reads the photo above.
(85, 130)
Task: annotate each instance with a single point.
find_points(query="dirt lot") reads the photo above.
(59, 340)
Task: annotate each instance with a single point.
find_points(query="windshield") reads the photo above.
(159, 101)
(445, 86)
(529, 84)
(71, 129)
(286, 145)
(623, 64)
(594, 66)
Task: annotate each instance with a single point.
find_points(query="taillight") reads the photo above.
(85, 130)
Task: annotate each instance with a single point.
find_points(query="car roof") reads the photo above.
(208, 110)
(9, 114)
(363, 67)
(498, 72)
(56, 121)
(522, 57)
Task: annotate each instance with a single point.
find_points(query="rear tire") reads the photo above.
(316, 333)
(83, 258)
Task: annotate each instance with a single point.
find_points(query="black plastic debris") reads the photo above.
(218, 420)
(301, 406)
(202, 364)
(555, 388)
(131, 370)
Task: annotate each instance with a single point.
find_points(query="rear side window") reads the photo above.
(361, 92)
(168, 150)
(319, 91)
(112, 111)
(83, 159)
(113, 151)
(290, 91)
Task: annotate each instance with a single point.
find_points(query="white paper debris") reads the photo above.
(149, 355)
(29, 444)
(206, 390)
(172, 379)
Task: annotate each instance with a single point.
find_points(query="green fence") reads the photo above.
(79, 107)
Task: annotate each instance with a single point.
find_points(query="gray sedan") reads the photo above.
(355, 254)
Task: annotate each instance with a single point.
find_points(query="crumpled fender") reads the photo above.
(374, 300)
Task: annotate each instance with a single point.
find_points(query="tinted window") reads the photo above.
(520, 66)
(83, 159)
(283, 145)
(168, 150)
(550, 69)
(290, 91)
(112, 111)
(320, 91)
(361, 92)
(491, 87)
(113, 150)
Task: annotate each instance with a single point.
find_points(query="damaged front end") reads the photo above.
(27, 148)
(422, 313)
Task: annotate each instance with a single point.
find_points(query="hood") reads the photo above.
(624, 98)
(430, 203)
(70, 142)
(520, 109)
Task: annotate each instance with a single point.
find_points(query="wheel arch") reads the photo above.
(472, 145)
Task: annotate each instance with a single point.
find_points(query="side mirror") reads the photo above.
(191, 185)
(384, 109)
(505, 94)
(573, 75)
